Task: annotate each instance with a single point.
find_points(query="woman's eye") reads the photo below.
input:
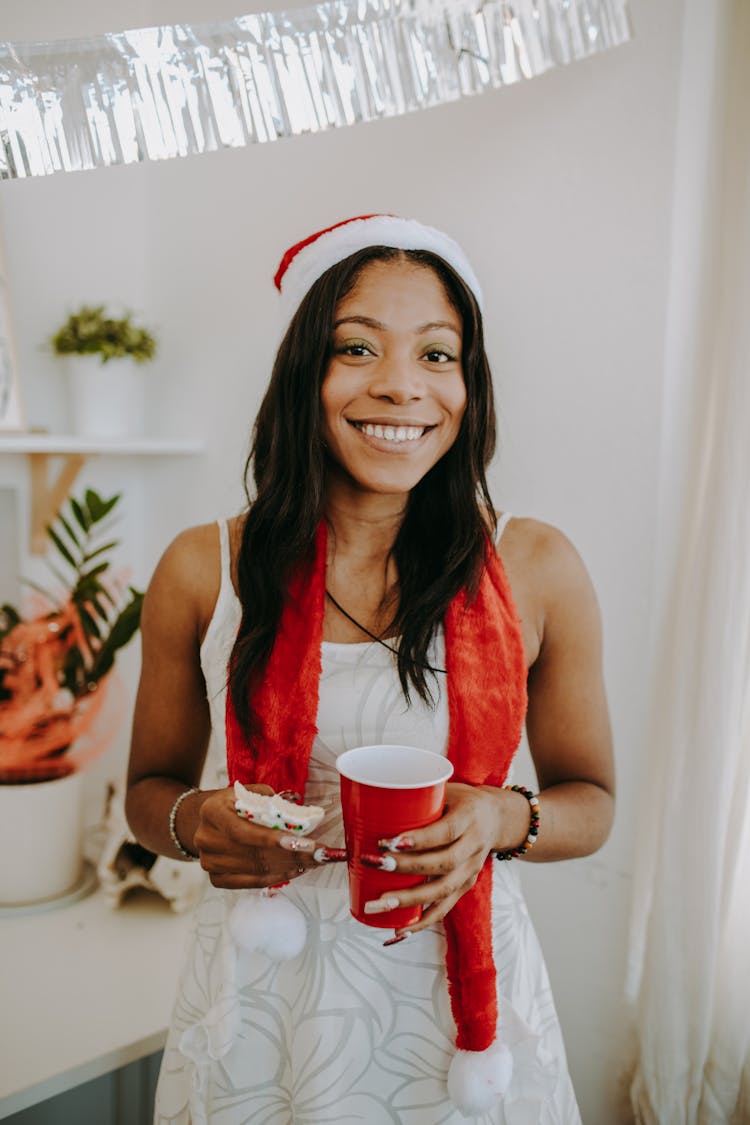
(439, 355)
(354, 348)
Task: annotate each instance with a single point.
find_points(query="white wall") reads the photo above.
(560, 191)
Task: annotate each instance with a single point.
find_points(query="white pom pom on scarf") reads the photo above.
(269, 924)
(477, 1080)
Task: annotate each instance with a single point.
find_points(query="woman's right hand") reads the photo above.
(238, 854)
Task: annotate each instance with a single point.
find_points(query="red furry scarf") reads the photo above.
(487, 704)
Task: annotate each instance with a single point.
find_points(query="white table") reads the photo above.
(84, 990)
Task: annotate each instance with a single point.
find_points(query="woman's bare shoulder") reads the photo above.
(187, 577)
(538, 545)
(548, 579)
(191, 553)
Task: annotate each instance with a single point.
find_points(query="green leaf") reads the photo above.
(104, 547)
(82, 517)
(94, 504)
(86, 591)
(122, 631)
(61, 546)
(69, 529)
(103, 592)
(108, 505)
(9, 618)
(89, 623)
(95, 570)
(74, 673)
(96, 602)
(99, 508)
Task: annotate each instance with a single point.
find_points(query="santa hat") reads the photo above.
(309, 259)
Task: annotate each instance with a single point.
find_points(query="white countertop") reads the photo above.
(84, 989)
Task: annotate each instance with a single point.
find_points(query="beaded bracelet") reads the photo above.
(172, 824)
(532, 798)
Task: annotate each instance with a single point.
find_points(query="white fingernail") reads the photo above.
(380, 905)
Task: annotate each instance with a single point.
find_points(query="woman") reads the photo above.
(371, 595)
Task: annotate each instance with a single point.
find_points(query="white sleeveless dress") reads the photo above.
(348, 1031)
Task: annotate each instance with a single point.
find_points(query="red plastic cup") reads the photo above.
(387, 790)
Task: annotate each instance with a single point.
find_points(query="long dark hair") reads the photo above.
(449, 517)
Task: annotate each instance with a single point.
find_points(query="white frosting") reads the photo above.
(274, 812)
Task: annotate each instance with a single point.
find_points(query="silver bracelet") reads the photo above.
(172, 821)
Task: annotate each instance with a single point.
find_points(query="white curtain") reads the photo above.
(690, 949)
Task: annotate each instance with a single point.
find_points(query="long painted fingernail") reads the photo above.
(380, 905)
(383, 862)
(397, 844)
(297, 844)
(328, 855)
(395, 940)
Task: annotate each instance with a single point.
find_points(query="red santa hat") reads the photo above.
(309, 259)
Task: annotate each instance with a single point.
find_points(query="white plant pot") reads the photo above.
(107, 399)
(41, 829)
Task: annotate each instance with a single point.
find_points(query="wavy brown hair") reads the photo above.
(449, 517)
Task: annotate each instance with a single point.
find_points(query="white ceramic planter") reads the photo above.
(40, 839)
(107, 399)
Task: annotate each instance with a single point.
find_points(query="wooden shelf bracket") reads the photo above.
(48, 494)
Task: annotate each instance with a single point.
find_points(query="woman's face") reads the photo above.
(393, 396)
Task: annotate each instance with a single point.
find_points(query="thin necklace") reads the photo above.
(359, 625)
(373, 636)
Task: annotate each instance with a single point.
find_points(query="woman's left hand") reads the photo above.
(451, 852)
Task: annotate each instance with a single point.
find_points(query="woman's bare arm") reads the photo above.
(171, 726)
(568, 720)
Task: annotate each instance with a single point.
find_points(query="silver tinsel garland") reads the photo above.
(161, 92)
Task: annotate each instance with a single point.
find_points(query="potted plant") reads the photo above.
(105, 354)
(55, 675)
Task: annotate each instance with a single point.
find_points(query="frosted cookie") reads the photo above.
(275, 812)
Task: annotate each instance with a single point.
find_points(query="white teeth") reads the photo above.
(391, 433)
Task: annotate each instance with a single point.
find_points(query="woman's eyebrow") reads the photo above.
(435, 324)
(366, 320)
(370, 322)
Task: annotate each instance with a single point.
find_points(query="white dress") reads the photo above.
(348, 1031)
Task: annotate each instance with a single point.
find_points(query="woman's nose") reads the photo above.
(397, 381)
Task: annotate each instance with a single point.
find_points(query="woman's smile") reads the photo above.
(392, 435)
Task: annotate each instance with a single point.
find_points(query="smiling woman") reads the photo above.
(366, 597)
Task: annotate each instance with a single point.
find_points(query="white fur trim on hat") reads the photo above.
(332, 246)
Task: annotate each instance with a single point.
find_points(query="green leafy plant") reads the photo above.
(90, 331)
(109, 617)
(81, 538)
(53, 665)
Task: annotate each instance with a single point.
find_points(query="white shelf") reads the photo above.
(70, 443)
(85, 990)
(48, 492)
